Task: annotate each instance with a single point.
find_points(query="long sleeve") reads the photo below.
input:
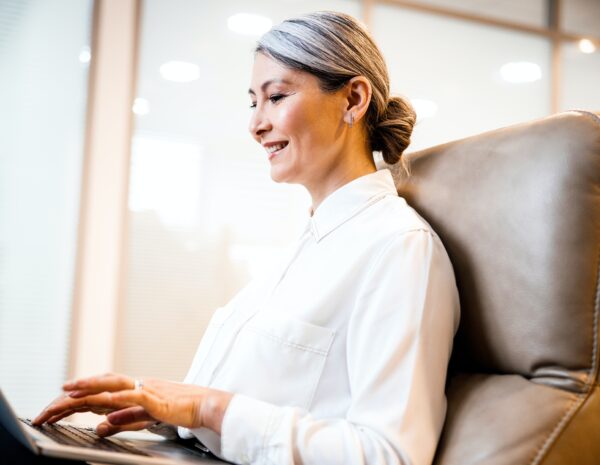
(399, 338)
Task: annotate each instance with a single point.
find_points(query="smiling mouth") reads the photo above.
(275, 149)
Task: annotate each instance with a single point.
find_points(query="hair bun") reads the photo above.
(392, 132)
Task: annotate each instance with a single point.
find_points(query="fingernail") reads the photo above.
(102, 430)
(74, 393)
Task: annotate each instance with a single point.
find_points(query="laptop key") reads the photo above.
(84, 437)
(89, 435)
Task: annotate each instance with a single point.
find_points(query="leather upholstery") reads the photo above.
(518, 209)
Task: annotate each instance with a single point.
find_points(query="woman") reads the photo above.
(339, 356)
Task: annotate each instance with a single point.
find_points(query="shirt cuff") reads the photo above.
(245, 429)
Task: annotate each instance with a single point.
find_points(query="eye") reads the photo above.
(276, 97)
(253, 105)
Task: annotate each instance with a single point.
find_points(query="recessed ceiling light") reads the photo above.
(141, 106)
(249, 24)
(521, 71)
(424, 108)
(180, 71)
(85, 55)
(586, 46)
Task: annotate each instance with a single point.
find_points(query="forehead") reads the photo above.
(266, 69)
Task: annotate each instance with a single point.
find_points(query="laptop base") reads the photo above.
(14, 453)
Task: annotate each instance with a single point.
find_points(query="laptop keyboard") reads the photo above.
(83, 437)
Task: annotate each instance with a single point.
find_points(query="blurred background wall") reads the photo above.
(133, 201)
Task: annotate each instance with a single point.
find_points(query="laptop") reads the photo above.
(66, 441)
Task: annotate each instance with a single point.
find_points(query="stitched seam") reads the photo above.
(594, 368)
(319, 352)
(289, 343)
(581, 398)
(559, 428)
(318, 378)
(263, 452)
(587, 114)
(391, 242)
(593, 371)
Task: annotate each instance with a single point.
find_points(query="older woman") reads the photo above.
(339, 355)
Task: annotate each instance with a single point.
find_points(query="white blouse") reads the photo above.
(340, 355)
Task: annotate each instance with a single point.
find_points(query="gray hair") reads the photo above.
(335, 47)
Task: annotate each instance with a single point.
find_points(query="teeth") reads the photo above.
(274, 148)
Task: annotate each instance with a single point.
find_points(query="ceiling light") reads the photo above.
(85, 55)
(521, 71)
(249, 24)
(179, 71)
(424, 108)
(587, 46)
(141, 106)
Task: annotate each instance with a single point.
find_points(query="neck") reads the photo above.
(341, 174)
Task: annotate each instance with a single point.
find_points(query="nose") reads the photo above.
(259, 123)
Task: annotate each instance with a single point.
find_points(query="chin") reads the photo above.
(280, 174)
(275, 176)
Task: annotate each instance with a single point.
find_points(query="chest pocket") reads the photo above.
(277, 359)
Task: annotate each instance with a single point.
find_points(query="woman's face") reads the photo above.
(300, 127)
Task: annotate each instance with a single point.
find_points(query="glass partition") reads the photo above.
(463, 78)
(530, 12)
(44, 58)
(581, 75)
(581, 17)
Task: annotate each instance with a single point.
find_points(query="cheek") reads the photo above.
(307, 124)
(293, 120)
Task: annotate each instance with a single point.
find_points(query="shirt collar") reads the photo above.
(349, 200)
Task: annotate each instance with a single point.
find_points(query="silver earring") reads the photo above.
(351, 120)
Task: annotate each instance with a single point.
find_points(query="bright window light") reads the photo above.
(249, 24)
(165, 175)
(424, 108)
(521, 71)
(586, 46)
(179, 71)
(141, 106)
(85, 55)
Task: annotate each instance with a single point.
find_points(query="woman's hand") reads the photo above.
(128, 408)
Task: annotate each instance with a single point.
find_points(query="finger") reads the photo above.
(72, 411)
(141, 398)
(129, 415)
(55, 411)
(42, 417)
(95, 384)
(106, 428)
(96, 410)
(59, 417)
(104, 400)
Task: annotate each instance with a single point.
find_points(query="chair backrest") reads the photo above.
(518, 209)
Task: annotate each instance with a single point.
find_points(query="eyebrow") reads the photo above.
(268, 83)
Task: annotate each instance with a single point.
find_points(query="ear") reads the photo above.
(358, 98)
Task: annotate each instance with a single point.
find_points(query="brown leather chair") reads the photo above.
(519, 212)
